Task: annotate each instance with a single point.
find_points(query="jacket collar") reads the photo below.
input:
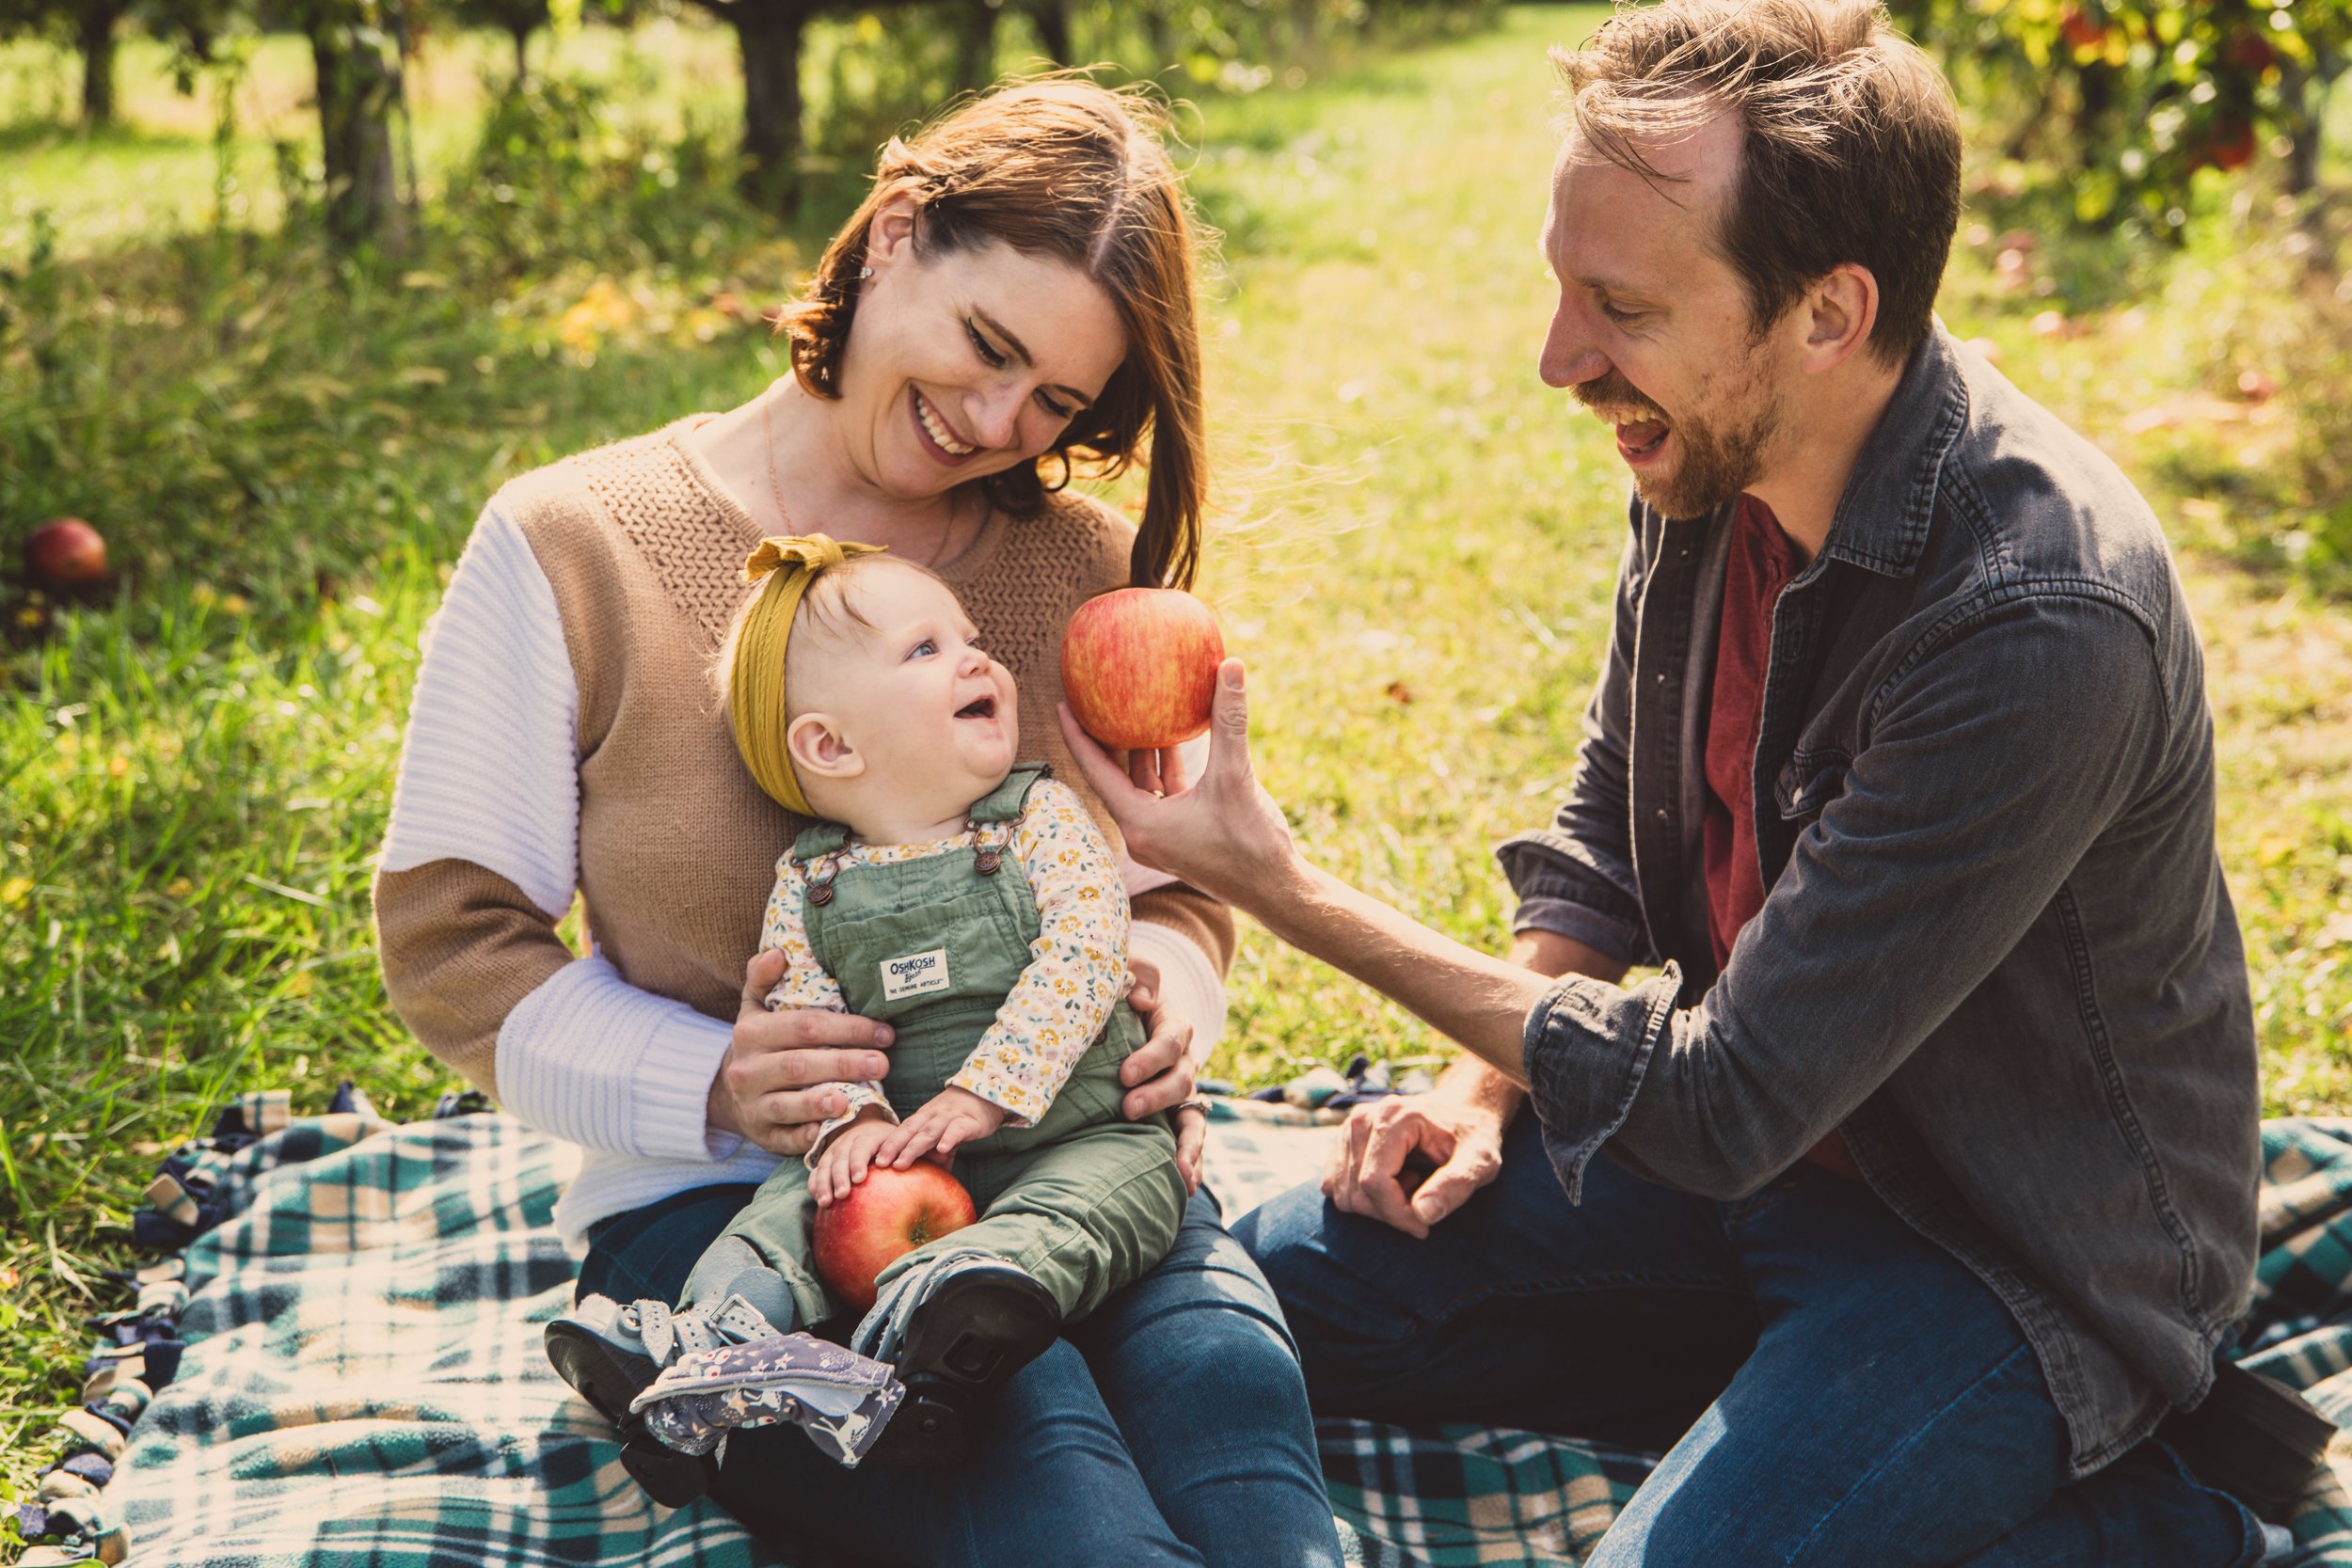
(1882, 520)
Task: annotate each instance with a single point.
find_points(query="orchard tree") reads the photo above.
(517, 19)
(770, 34)
(90, 27)
(2152, 91)
(356, 50)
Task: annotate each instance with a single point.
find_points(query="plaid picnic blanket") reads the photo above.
(348, 1348)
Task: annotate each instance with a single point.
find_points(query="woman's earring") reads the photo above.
(865, 273)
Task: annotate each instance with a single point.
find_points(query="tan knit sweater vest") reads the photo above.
(643, 549)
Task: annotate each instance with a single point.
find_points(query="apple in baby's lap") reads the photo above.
(1139, 666)
(886, 1216)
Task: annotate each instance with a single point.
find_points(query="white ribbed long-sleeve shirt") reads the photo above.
(491, 776)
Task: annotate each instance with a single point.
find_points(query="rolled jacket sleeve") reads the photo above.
(1575, 877)
(2001, 747)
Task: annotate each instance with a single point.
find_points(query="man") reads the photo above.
(1934, 1146)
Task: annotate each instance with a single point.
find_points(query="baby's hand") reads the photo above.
(949, 1119)
(847, 1157)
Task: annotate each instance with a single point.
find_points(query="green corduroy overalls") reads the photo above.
(1083, 1199)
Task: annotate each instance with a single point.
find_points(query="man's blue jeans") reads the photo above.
(1168, 1431)
(1831, 1389)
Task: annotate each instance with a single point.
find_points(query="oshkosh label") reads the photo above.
(915, 974)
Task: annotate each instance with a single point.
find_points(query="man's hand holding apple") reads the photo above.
(1224, 834)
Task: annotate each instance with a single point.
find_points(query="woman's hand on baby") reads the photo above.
(773, 1086)
(849, 1156)
(946, 1122)
(1159, 1073)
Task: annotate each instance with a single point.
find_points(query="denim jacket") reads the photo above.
(1995, 947)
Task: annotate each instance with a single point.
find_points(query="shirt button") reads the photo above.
(1661, 677)
(1662, 814)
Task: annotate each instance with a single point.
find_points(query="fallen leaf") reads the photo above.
(1399, 692)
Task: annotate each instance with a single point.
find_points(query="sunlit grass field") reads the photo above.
(1417, 563)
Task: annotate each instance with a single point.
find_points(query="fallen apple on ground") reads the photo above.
(1139, 666)
(886, 1216)
(65, 553)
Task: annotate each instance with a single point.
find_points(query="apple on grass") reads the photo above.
(886, 1216)
(1139, 666)
(65, 555)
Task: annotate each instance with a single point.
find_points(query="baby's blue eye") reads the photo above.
(926, 646)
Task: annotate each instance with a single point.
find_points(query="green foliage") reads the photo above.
(2133, 98)
(559, 177)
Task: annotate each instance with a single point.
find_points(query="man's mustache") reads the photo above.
(1613, 394)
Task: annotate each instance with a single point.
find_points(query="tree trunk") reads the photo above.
(2304, 90)
(97, 29)
(522, 55)
(1051, 18)
(359, 88)
(770, 32)
(1159, 31)
(975, 43)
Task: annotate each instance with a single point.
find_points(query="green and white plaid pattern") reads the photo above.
(364, 1382)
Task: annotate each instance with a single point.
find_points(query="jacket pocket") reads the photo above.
(1809, 782)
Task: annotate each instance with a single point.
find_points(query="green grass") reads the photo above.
(1417, 565)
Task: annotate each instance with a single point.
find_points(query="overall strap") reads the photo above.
(819, 839)
(993, 814)
(1006, 803)
(817, 852)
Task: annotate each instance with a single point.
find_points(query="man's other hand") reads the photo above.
(1369, 1174)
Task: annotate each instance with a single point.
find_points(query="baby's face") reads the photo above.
(935, 719)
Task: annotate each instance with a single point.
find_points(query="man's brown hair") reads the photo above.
(1062, 168)
(1852, 145)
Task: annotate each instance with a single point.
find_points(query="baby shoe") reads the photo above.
(957, 1326)
(611, 1354)
(842, 1400)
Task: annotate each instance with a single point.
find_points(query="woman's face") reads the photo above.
(967, 363)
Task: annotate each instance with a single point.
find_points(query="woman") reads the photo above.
(1015, 295)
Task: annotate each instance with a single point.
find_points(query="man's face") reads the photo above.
(1653, 330)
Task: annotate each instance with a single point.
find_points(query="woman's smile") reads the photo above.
(937, 436)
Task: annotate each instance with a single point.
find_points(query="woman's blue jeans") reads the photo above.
(1830, 1388)
(1170, 1427)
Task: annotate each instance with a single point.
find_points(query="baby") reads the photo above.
(971, 904)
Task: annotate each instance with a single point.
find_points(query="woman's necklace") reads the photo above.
(767, 439)
(775, 482)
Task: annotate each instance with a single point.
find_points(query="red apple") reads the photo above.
(2232, 145)
(886, 1216)
(65, 553)
(1139, 666)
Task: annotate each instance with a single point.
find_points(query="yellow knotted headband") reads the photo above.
(755, 680)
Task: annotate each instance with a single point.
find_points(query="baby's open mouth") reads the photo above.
(984, 708)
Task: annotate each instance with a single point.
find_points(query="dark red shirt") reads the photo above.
(1763, 559)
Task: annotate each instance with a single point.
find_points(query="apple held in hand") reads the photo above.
(64, 554)
(1139, 666)
(886, 1216)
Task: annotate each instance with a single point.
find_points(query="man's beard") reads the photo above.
(1715, 462)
